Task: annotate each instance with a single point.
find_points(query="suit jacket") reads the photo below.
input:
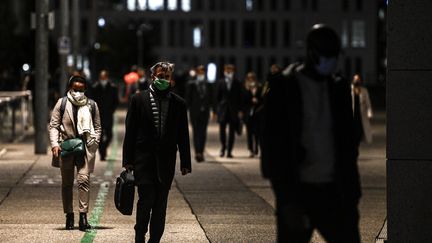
(107, 100)
(282, 151)
(229, 102)
(150, 155)
(199, 102)
(56, 134)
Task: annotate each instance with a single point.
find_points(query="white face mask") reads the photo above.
(78, 96)
(200, 77)
(229, 75)
(103, 82)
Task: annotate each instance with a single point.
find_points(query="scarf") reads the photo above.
(84, 116)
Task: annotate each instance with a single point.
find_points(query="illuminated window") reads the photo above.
(186, 5)
(156, 5)
(358, 38)
(131, 5)
(142, 4)
(211, 72)
(344, 36)
(172, 5)
(249, 5)
(197, 37)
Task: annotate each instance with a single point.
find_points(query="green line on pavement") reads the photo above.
(103, 191)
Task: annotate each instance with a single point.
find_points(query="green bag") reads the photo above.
(73, 146)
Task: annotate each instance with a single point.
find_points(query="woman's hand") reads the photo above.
(56, 151)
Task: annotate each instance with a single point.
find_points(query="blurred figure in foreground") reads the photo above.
(199, 101)
(362, 109)
(105, 93)
(308, 150)
(229, 103)
(252, 102)
(156, 127)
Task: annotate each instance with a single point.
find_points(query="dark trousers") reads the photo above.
(151, 207)
(252, 135)
(231, 135)
(106, 137)
(318, 207)
(199, 129)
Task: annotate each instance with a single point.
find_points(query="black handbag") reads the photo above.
(125, 192)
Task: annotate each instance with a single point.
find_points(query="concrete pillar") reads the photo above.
(409, 119)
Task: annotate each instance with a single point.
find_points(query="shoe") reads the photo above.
(251, 155)
(222, 153)
(83, 223)
(199, 158)
(230, 155)
(69, 221)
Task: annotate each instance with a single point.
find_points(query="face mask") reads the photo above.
(103, 82)
(229, 75)
(78, 96)
(326, 66)
(161, 84)
(200, 77)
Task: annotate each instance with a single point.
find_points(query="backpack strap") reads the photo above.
(93, 107)
(63, 107)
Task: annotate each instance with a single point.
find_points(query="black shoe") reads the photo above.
(199, 158)
(83, 223)
(222, 153)
(251, 155)
(229, 155)
(70, 221)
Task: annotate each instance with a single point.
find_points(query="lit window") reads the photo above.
(344, 36)
(358, 38)
(172, 5)
(142, 4)
(249, 5)
(197, 37)
(156, 5)
(211, 72)
(131, 5)
(186, 5)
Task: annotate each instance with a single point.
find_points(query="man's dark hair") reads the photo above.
(323, 40)
(78, 79)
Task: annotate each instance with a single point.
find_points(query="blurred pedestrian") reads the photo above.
(229, 103)
(362, 110)
(308, 147)
(75, 116)
(156, 126)
(143, 83)
(105, 93)
(252, 102)
(199, 99)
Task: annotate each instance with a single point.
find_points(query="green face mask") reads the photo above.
(161, 84)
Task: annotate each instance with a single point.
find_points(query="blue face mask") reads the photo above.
(326, 66)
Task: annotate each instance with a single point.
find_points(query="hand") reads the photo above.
(185, 171)
(56, 151)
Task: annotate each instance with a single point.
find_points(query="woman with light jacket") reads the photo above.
(362, 110)
(75, 116)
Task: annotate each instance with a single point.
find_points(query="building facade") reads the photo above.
(252, 34)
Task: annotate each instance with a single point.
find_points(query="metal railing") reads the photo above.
(16, 114)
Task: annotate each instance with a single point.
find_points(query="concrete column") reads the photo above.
(409, 119)
(64, 32)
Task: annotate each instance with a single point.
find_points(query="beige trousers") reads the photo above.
(67, 168)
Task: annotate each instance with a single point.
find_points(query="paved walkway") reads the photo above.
(223, 200)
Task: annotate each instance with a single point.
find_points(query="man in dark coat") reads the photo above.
(105, 93)
(199, 99)
(308, 147)
(229, 99)
(156, 127)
